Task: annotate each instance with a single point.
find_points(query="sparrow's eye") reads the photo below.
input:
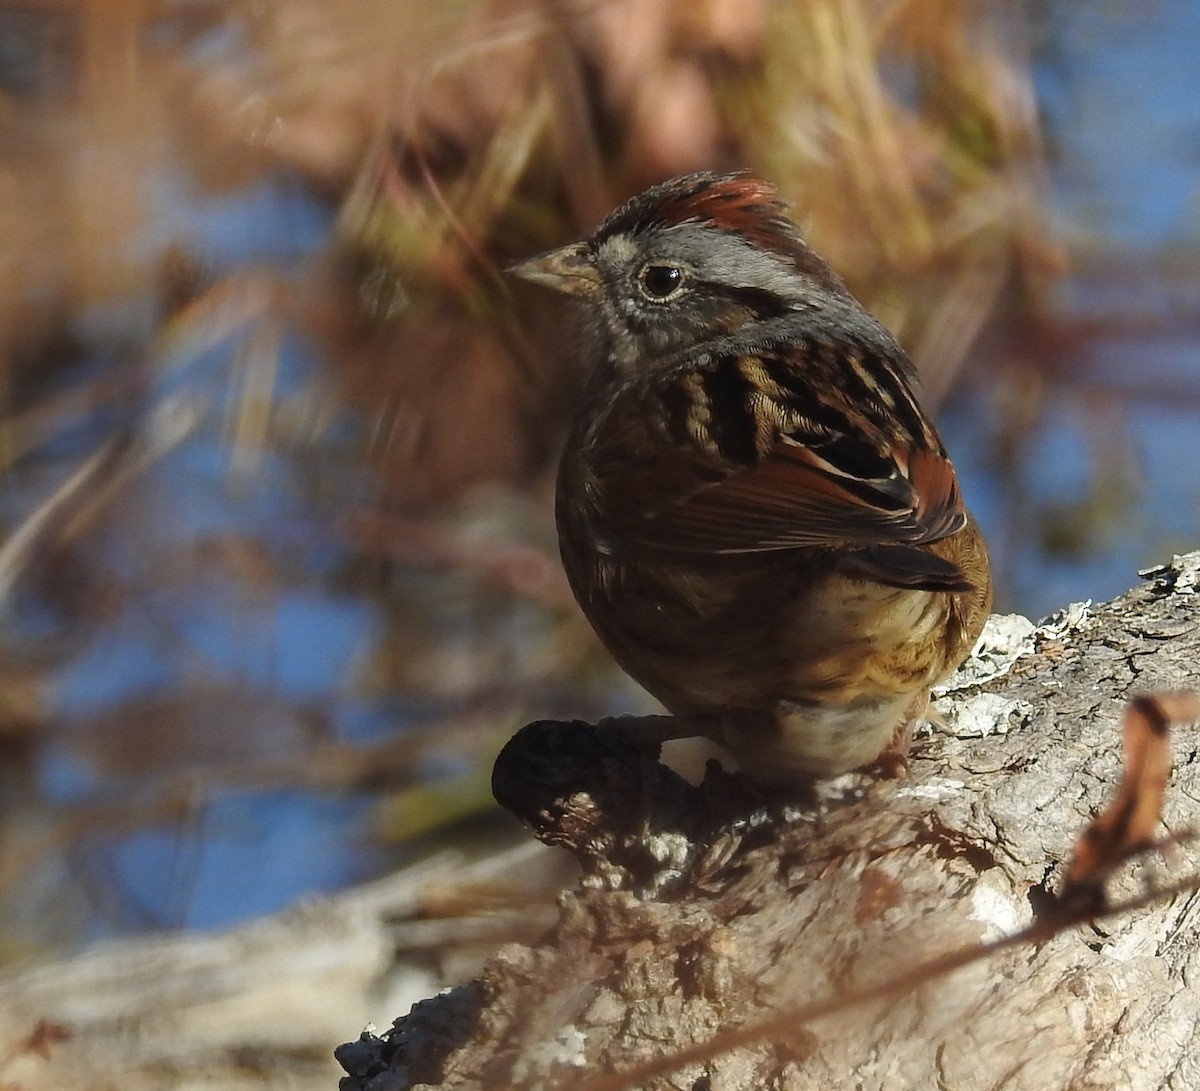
(660, 282)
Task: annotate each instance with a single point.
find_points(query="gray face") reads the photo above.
(668, 290)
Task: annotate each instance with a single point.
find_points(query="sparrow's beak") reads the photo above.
(569, 269)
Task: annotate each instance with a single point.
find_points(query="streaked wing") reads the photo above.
(749, 455)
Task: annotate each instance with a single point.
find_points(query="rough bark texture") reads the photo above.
(688, 922)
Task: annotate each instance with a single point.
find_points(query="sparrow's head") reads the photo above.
(689, 260)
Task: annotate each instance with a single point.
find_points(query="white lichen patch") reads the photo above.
(1181, 576)
(1005, 638)
(982, 714)
(1062, 623)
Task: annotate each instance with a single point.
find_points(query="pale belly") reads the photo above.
(803, 741)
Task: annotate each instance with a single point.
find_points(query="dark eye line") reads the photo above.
(761, 302)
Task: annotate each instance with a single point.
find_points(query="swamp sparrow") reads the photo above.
(754, 512)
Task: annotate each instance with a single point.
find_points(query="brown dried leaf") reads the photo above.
(1126, 827)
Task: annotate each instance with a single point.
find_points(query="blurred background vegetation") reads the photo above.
(277, 562)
